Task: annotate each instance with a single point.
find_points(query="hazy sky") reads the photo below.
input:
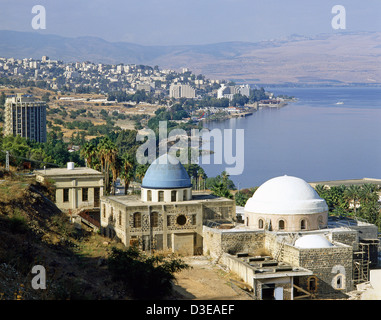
(171, 22)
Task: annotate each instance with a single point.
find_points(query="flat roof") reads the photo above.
(266, 267)
(134, 200)
(66, 172)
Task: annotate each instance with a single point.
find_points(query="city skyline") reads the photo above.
(170, 22)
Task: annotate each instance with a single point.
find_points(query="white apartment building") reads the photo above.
(181, 91)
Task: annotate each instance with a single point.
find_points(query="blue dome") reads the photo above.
(166, 172)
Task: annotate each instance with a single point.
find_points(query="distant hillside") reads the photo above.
(324, 59)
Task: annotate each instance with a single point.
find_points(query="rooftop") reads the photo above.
(166, 172)
(265, 267)
(82, 171)
(286, 195)
(134, 200)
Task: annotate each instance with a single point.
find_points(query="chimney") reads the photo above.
(70, 165)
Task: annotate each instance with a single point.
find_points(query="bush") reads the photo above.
(145, 277)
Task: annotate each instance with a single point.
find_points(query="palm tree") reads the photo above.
(89, 152)
(140, 171)
(352, 193)
(127, 170)
(201, 176)
(368, 193)
(107, 153)
(320, 189)
(116, 165)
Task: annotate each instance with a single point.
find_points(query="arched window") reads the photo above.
(303, 224)
(137, 220)
(149, 195)
(247, 221)
(260, 224)
(281, 225)
(320, 221)
(161, 196)
(312, 284)
(154, 219)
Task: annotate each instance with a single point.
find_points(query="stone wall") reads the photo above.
(333, 268)
(217, 241)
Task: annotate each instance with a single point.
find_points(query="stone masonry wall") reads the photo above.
(333, 268)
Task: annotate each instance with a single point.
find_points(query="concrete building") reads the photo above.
(26, 117)
(182, 91)
(230, 91)
(167, 216)
(76, 188)
(289, 248)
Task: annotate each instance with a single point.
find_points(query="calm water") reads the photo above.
(313, 138)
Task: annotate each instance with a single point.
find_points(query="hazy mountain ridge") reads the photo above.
(326, 58)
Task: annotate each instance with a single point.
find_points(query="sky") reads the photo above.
(181, 22)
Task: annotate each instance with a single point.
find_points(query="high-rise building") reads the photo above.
(182, 91)
(26, 117)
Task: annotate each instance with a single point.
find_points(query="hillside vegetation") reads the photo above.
(33, 231)
(78, 264)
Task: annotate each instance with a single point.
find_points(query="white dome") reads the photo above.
(312, 241)
(286, 195)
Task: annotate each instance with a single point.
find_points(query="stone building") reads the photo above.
(76, 188)
(167, 215)
(289, 248)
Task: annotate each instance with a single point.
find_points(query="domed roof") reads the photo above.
(312, 241)
(286, 195)
(166, 172)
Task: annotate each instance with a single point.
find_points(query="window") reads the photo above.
(312, 284)
(104, 210)
(154, 219)
(96, 196)
(161, 196)
(173, 195)
(137, 220)
(260, 224)
(149, 195)
(281, 225)
(181, 220)
(303, 224)
(184, 195)
(120, 218)
(320, 221)
(66, 195)
(85, 194)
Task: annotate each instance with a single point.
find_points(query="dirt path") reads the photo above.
(206, 281)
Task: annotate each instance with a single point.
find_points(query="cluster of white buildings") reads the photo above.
(229, 91)
(83, 77)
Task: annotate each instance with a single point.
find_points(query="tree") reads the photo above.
(352, 193)
(222, 185)
(145, 277)
(243, 195)
(107, 153)
(140, 172)
(127, 173)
